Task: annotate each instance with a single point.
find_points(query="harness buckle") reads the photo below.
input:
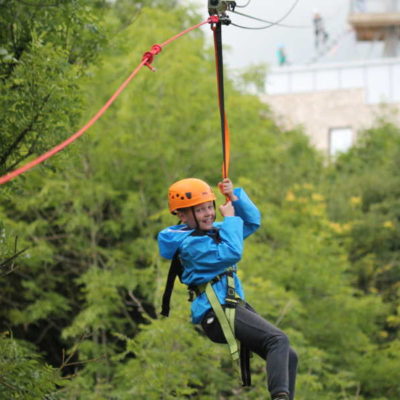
(229, 303)
(191, 293)
(230, 292)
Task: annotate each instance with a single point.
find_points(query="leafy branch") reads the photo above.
(10, 260)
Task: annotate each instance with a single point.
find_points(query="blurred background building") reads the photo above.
(334, 100)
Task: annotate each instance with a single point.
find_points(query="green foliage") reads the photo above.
(23, 375)
(253, 78)
(44, 48)
(367, 192)
(378, 369)
(172, 374)
(363, 195)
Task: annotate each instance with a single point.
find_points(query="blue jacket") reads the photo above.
(203, 258)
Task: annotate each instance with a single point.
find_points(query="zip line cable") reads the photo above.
(242, 6)
(270, 24)
(147, 59)
(273, 23)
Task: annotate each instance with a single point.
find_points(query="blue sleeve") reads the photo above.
(169, 239)
(247, 211)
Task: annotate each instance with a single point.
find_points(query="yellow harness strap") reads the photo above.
(226, 318)
(226, 321)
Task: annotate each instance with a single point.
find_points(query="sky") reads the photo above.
(244, 47)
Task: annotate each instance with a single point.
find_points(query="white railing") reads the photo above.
(380, 79)
(374, 6)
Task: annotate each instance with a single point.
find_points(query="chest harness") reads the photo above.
(224, 314)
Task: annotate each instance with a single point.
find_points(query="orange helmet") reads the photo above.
(188, 193)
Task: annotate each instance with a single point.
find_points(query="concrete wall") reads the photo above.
(324, 98)
(320, 112)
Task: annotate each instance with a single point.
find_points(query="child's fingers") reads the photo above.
(222, 208)
(223, 188)
(226, 184)
(227, 209)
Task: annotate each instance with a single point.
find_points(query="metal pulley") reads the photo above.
(219, 7)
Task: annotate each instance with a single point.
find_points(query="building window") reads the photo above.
(340, 140)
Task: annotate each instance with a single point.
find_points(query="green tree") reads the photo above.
(44, 48)
(363, 193)
(23, 375)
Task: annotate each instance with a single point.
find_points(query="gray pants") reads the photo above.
(264, 339)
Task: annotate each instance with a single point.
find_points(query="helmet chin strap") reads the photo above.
(195, 219)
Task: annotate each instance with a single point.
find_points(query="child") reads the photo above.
(208, 252)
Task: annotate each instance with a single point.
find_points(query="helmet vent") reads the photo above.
(189, 195)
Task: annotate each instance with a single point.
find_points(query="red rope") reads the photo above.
(211, 20)
(146, 60)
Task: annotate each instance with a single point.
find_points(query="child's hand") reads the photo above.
(226, 188)
(227, 209)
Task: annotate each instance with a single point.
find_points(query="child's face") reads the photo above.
(205, 215)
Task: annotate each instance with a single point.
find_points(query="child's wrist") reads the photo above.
(233, 197)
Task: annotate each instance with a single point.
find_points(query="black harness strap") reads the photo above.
(175, 270)
(245, 371)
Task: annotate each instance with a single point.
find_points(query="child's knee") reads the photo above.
(279, 340)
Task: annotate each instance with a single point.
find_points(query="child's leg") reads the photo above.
(270, 343)
(292, 372)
